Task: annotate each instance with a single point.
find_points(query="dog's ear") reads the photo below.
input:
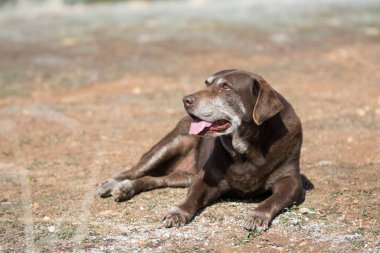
(267, 104)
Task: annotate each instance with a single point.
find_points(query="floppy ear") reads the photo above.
(267, 104)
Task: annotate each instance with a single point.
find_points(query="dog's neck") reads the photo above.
(244, 142)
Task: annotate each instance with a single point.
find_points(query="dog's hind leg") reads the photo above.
(126, 189)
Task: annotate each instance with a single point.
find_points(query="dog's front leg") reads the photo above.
(200, 194)
(285, 191)
(128, 188)
(165, 150)
(176, 143)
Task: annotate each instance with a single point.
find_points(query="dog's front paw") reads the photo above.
(257, 219)
(104, 189)
(176, 218)
(123, 191)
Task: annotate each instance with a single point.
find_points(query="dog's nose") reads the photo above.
(188, 101)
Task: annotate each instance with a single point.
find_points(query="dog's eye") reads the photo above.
(224, 86)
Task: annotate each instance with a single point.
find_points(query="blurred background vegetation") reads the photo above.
(37, 2)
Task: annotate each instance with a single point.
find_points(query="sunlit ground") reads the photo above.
(86, 89)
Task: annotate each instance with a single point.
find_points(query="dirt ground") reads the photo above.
(86, 90)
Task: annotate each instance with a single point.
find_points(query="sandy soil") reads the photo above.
(85, 90)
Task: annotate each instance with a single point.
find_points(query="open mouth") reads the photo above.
(201, 127)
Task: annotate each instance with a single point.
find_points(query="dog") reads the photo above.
(240, 137)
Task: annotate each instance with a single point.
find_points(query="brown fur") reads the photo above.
(261, 155)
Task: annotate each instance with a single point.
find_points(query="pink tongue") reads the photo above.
(197, 126)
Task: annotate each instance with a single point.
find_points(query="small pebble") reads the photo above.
(360, 112)
(302, 244)
(305, 210)
(36, 205)
(51, 229)
(136, 91)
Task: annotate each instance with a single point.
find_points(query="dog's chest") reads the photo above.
(245, 177)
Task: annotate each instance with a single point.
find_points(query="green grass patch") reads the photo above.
(251, 234)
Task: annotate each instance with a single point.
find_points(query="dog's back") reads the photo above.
(240, 136)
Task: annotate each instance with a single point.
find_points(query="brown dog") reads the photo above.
(241, 137)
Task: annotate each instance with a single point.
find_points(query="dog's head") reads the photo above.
(231, 98)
